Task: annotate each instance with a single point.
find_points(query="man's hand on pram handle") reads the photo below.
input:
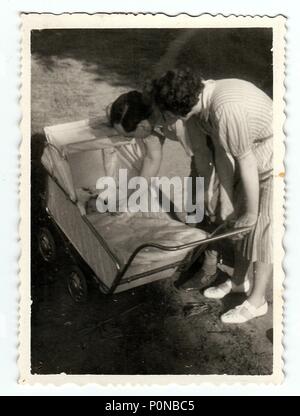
(247, 220)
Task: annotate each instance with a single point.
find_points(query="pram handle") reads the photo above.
(214, 236)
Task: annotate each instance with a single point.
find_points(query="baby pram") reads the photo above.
(122, 251)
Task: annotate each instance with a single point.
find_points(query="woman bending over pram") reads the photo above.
(238, 117)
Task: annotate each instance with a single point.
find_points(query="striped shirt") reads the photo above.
(239, 119)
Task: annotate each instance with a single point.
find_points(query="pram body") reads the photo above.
(123, 251)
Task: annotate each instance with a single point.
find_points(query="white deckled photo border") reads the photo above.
(115, 20)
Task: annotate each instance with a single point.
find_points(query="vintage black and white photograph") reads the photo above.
(152, 214)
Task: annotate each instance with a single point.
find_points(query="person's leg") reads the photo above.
(256, 304)
(206, 275)
(262, 274)
(210, 261)
(239, 282)
(241, 269)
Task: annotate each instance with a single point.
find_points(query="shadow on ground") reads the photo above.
(127, 58)
(143, 331)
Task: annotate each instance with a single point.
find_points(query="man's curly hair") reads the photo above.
(177, 91)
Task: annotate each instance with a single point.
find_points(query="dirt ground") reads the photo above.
(152, 329)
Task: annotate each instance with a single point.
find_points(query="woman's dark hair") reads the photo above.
(129, 110)
(177, 91)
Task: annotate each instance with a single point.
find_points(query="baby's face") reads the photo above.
(143, 130)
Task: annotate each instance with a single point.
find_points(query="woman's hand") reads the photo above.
(246, 220)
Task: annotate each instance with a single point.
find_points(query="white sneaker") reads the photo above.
(219, 292)
(244, 313)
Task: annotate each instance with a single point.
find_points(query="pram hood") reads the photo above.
(78, 153)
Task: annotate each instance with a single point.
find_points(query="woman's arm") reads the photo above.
(249, 178)
(225, 170)
(153, 158)
(235, 137)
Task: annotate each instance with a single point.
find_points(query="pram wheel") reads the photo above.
(77, 285)
(46, 245)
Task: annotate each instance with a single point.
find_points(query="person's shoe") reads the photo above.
(244, 313)
(199, 281)
(220, 291)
